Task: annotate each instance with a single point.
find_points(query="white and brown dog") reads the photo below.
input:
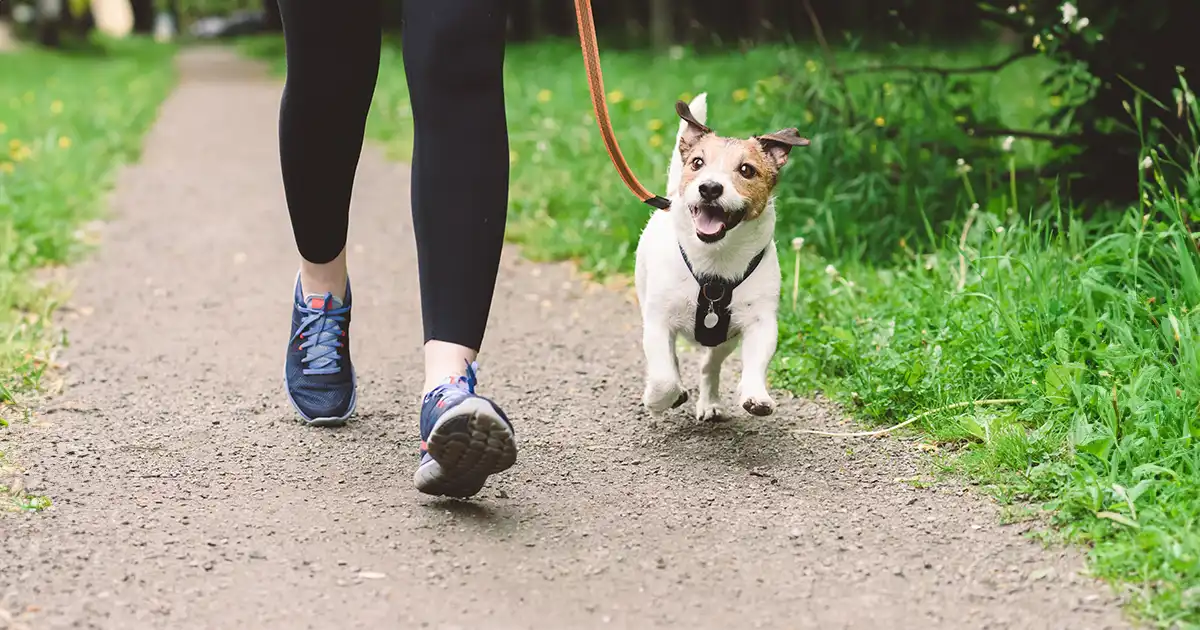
(707, 269)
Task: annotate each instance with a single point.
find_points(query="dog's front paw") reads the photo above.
(711, 412)
(663, 395)
(758, 405)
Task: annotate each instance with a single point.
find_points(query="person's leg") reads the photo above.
(454, 57)
(332, 63)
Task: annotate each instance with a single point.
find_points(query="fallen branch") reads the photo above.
(945, 72)
(958, 405)
(1021, 133)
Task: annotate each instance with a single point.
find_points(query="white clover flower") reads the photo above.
(1147, 162)
(1012, 9)
(974, 207)
(1069, 13)
(1082, 24)
(831, 270)
(797, 243)
(1007, 144)
(999, 229)
(961, 167)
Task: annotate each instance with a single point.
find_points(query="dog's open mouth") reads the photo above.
(712, 221)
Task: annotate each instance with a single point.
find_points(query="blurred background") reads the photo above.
(999, 202)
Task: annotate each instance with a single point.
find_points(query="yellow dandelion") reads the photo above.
(879, 122)
(512, 156)
(740, 95)
(808, 116)
(64, 142)
(14, 144)
(7, 167)
(655, 125)
(656, 141)
(20, 153)
(1056, 101)
(638, 105)
(544, 96)
(56, 107)
(616, 96)
(810, 65)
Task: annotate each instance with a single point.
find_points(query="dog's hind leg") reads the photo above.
(663, 387)
(758, 346)
(708, 407)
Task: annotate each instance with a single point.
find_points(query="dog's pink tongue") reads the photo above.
(708, 223)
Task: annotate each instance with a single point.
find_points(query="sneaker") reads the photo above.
(464, 438)
(318, 373)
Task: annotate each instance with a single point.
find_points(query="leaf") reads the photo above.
(1057, 382)
(1147, 470)
(1119, 518)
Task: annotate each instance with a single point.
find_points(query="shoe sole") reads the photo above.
(467, 445)
(323, 421)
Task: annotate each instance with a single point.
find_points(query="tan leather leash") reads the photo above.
(591, 59)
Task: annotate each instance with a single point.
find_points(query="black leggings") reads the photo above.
(453, 57)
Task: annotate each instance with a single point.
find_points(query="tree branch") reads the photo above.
(1020, 133)
(945, 72)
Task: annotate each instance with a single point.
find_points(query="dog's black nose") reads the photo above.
(710, 191)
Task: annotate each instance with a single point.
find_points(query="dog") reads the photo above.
(707, 268)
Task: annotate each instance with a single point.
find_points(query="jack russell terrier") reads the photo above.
(707, 269)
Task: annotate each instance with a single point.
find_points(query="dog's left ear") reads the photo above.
(779, 144)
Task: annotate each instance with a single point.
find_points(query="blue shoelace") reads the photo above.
(321, 331)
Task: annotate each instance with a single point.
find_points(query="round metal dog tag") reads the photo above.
(710, 320)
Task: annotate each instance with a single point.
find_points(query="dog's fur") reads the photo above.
(721, 235)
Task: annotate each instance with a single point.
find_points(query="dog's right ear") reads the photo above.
(694, 131)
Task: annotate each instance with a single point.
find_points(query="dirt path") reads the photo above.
(187, 497)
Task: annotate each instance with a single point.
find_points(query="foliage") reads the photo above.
(66, 122)
(1106, 54)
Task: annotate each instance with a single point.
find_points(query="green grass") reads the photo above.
(923, 282)
(67, 121)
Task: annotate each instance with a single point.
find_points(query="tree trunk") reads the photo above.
(49, 22)
(759, 20)
(662, 23)
(272, 20)
(143, 16)
(537, 19)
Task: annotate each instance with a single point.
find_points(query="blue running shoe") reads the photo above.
(464, 438)
(318, 373)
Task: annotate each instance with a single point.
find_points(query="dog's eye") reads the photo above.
(747, 171)
(697, 164)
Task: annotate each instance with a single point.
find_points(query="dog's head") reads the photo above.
(726, 181)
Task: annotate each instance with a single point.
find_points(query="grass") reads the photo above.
(67, 121)
(934, 271)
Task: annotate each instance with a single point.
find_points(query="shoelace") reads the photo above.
(321, 331)
(466, 382)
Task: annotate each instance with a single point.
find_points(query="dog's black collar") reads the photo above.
(716, 294)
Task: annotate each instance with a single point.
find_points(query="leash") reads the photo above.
(591, 60)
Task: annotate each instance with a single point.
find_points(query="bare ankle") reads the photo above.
(323, 278)
(444, 361)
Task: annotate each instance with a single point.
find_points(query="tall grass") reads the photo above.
(935, 270)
